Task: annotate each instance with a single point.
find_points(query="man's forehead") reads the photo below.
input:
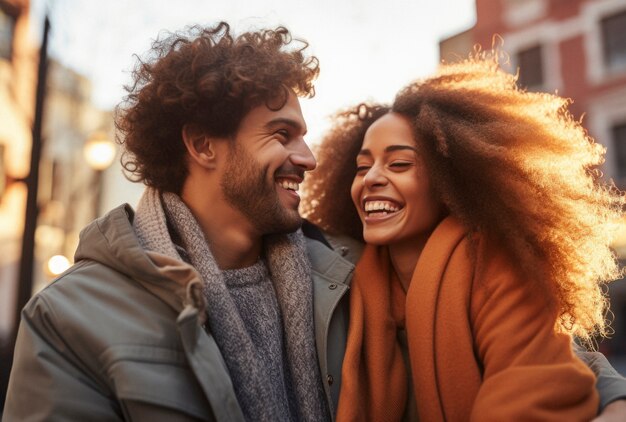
(289, 114)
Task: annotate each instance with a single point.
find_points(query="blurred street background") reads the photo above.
(367, 49)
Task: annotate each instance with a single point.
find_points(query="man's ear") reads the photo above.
(201, 147)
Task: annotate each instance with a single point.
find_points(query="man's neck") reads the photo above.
(233, 249)
(233, 242)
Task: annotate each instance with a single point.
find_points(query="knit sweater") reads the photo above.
(253, 294)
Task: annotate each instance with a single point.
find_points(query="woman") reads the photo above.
(487, 230)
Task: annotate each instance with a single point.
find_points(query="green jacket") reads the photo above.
(116, 338)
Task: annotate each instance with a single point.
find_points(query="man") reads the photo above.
(200, 304)
(205, 303)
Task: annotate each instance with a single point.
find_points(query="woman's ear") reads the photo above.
(202, 148)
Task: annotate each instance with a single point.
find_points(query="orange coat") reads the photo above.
(481, 341)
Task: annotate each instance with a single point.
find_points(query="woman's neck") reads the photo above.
(404, 256)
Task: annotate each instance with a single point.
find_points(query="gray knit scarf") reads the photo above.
(290, 273)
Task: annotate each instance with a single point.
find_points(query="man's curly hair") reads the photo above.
(511, 164)
(210, 78)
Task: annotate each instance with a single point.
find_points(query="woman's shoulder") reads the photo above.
(485, 263)
(498, 273)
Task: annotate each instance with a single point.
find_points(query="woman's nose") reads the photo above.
(374, 177)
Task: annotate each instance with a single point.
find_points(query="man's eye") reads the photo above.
(282, 133)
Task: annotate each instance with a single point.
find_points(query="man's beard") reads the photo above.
(245, 187)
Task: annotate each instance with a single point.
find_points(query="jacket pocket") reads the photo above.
(155, 376)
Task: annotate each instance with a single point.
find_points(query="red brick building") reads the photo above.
(575, 47)
(578, 49)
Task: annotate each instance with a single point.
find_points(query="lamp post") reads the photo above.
(25, 281)
(99, 152)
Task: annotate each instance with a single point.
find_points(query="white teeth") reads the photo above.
(384, 206)
(286, 184)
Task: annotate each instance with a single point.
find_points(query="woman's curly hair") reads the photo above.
(512, 164)
(210, 78)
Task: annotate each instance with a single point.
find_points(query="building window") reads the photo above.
(522, 12)
(530, 68)
(614, 39)
(619, 142)
(7, 26)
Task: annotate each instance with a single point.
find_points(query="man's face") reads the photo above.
(266, 165)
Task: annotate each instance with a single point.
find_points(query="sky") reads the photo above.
(368, 49)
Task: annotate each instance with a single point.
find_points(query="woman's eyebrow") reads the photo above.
(392, 148)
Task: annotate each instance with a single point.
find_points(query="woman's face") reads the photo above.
(391, 189)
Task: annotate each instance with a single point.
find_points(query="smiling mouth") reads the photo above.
(289, 185)
(376, 209)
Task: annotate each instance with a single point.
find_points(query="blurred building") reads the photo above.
(17, 93)
(18, 57)
(69, 188)
(70, 185)
(578, 49)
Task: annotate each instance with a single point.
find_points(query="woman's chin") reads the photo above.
(377, 237)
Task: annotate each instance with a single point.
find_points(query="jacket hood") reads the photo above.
(111, 241)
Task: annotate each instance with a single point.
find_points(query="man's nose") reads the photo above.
(302, 156)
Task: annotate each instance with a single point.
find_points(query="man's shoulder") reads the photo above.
(88, 280)
(104, 333)
(94, 301)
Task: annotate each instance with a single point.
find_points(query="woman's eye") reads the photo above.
(400, 164)
(362, 169)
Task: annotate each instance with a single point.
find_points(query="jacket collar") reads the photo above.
(112, 241)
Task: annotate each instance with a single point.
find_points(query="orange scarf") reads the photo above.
(374, 376)
(461, 316)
